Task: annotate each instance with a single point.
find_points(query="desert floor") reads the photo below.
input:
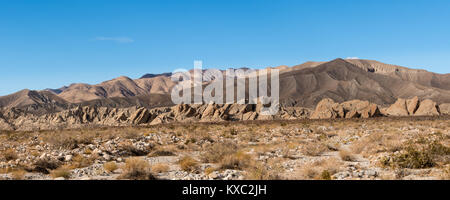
(377, 148)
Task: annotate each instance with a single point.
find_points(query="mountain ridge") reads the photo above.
(300, 85)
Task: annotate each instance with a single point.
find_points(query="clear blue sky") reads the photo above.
(49, 44)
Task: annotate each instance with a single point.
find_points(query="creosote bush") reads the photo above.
(419, 154)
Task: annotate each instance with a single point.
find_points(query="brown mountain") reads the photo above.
(119, 87)
(34, 101)
(301, 85)
(341, 80)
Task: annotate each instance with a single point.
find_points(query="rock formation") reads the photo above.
(328, 109)
(427, 108)
(413, 107)
(445, 109)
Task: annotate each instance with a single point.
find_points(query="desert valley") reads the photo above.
(343, 119)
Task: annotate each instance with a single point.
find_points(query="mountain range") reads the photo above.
(302, 85)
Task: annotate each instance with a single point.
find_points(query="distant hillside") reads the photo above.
(300, 85)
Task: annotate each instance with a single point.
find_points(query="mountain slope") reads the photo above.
(34, 101)
(341, 80)
(301, 85)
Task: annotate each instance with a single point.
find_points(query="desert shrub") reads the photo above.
(346, 156)
(68, 140)
(160, 168)
(238, 160)
(325, 175)
(110, 166)
(259, 172)
(130, 134)
(423, 153)
(18, 174)
(137, 169)
(45, 165)
(218, 151)
(233, 131)
(9, 154)
(63, 171)
(79, 161)
(320, 169)
(131, 150)
(161, 153)
(314, 149)
(209, 170)
(188, 164)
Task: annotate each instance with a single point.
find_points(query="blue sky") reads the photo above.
(49, 44)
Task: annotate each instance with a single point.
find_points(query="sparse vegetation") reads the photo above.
(45, 165)
(238, 160)
(254, 150)
(314, 149)
(346, 156)
(419, 154)
(9, 154)
(110, 166)
(188, 164)
(137, 169)
(160, 168)
(218, 151)
(18, 174)
(62, 171)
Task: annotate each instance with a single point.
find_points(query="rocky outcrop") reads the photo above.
(399, 108)
(427, 108)
(413, 107)
(444, 109)
(328, 109)
(141, 116)
(16, 119)
(360, 109)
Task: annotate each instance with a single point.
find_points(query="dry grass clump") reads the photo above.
(419, 154)
(320, 170)
(158, 153)
(188, 164)
(218, 151)
(209, 170)
(130, 150)
(136, 169)
(68, 139)
(378, 142)
(238, 160)
(45, 165)
(347, 156)
(160, 168)
(314, 149)
(259, 172)
(166, 151)
(63, 171)
(18, 174)
(79, 161)
(110, 166)
(9, 154)
(446, 173)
